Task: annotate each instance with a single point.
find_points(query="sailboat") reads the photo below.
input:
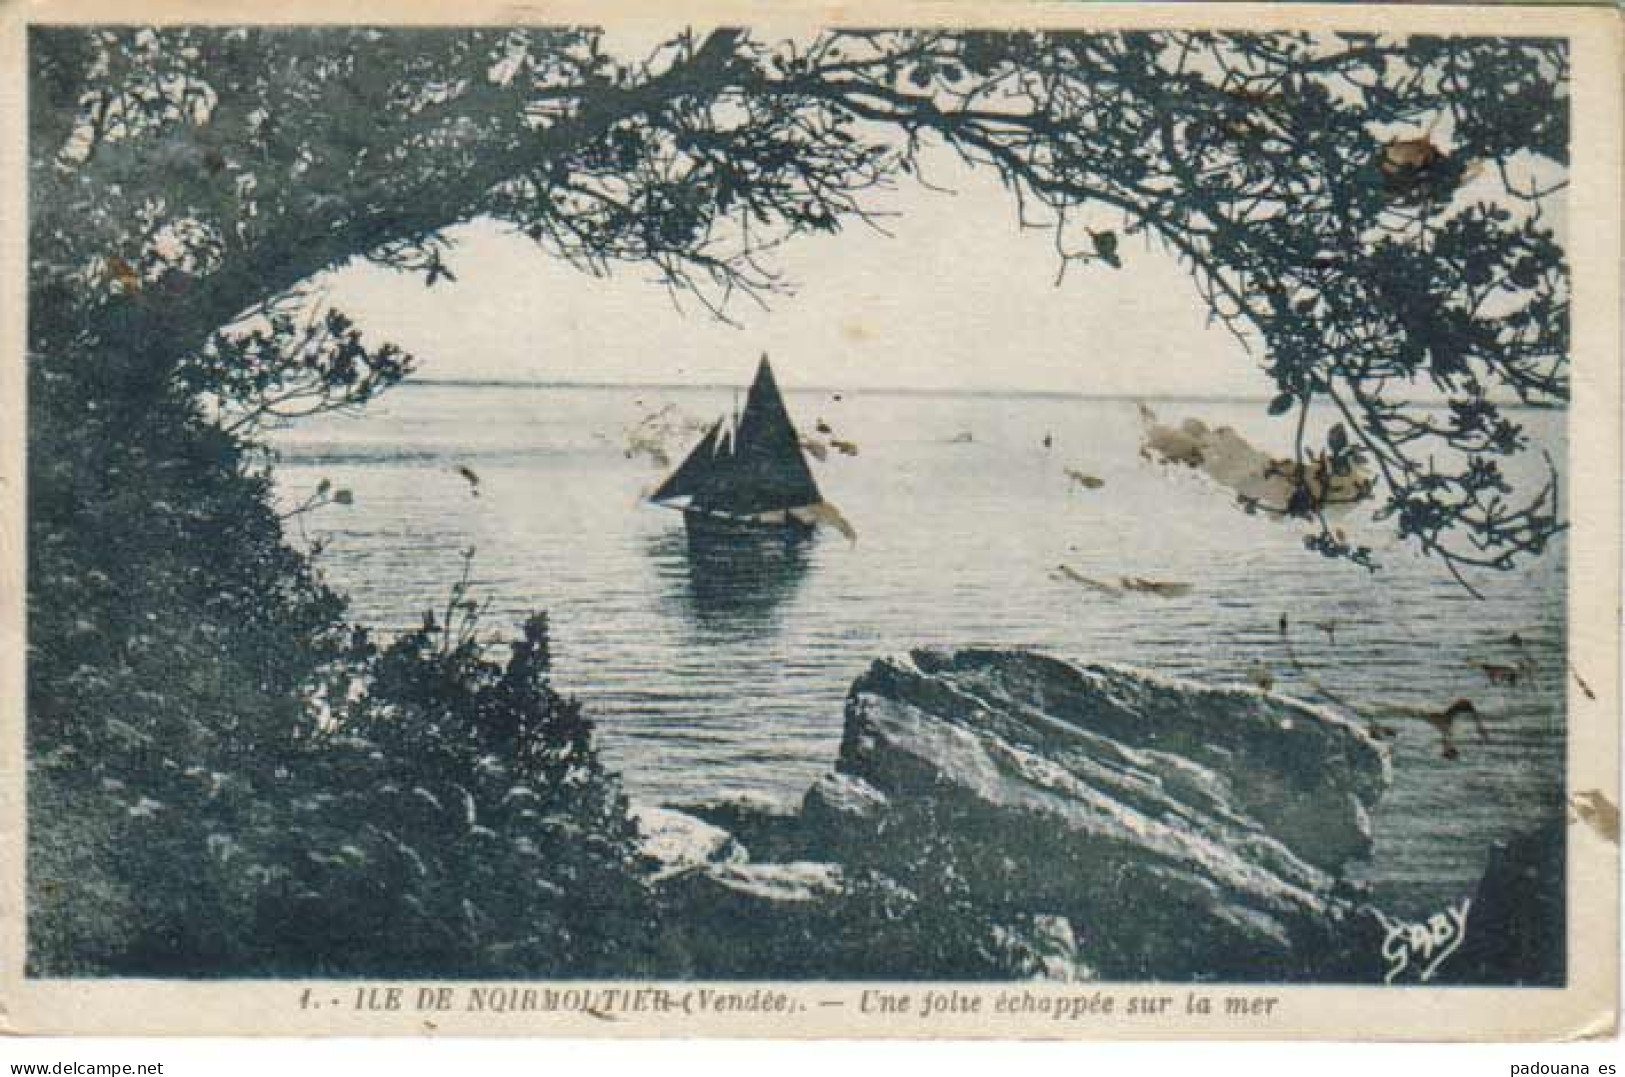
(748, 475)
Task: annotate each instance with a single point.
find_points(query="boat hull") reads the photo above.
(704, 526)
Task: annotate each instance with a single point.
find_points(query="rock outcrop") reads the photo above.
(1517, 928)
(678, 843)
(1087, 816)
(1183, 830)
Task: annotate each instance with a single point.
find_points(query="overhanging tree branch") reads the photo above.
(1315, 187)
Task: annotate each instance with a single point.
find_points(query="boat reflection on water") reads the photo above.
(750, 508)
(731, 582)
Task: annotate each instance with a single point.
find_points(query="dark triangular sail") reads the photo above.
(766, 471)
(686, 480)
(755, 467)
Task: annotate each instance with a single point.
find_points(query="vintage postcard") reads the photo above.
(807, 520)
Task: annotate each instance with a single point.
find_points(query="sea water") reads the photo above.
(706, 683)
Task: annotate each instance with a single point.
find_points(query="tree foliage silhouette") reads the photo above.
(1373, 214)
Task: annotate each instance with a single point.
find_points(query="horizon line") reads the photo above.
(1063, 394)
(890, 390)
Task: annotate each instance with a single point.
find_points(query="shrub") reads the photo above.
(228, 779)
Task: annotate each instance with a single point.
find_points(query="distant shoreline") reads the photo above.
(1017, 394)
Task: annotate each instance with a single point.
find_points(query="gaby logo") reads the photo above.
(1423, 946)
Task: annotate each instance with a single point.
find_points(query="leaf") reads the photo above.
(1337, 438)
(124, 274)
(1408, 156)
(1106, 247)
(1525, 273)
(1283, 403)
(1301, 503)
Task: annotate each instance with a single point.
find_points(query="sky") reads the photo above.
(956, 297)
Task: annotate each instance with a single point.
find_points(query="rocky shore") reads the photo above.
(998, 813)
